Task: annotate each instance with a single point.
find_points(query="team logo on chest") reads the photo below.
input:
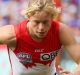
(24, 57)
(48, 56)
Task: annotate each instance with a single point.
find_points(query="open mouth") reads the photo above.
(42, 33)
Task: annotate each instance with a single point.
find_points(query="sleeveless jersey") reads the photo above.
(34, 58)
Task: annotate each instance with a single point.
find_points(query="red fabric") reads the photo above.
(58, 3)
(26, 48)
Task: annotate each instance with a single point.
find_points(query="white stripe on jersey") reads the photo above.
(39, 69)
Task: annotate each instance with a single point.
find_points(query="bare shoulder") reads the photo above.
(66, 34)
(6, 27)
(7, 34)
(64, 27)
(7, 31)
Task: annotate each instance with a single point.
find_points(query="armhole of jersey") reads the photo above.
(57, 26)
(16, 29)
(58, 29)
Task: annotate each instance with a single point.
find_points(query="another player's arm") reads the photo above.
(7, 35)
(69, 42)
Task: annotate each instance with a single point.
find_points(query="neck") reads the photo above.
(36, 39)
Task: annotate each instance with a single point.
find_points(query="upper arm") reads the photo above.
(66, 35)
(7, 35)
(69, 42)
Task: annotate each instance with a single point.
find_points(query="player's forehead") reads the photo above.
(42, 15)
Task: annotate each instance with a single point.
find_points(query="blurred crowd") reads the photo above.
(10, 11)
(71, 14)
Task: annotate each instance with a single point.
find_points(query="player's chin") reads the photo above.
(41, 36)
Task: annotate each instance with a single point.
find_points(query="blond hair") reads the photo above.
(39, 5)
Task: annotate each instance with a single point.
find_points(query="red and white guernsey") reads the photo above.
(34, 58)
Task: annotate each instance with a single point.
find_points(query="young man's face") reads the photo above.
(39, 24)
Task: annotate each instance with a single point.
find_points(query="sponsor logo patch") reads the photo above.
(25, 57)
(48, 56)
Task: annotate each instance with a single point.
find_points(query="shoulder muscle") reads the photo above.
(66, 35)
(7, 33)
